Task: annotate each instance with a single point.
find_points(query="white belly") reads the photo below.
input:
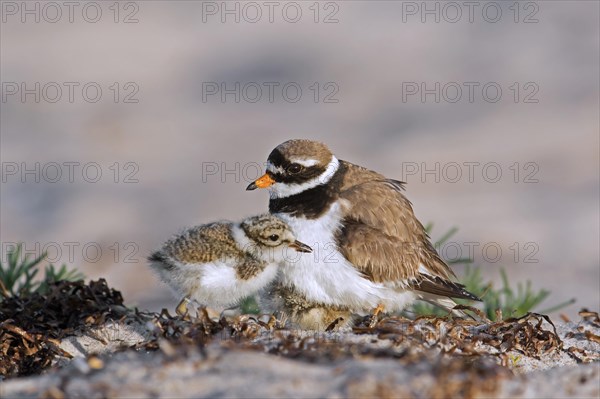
(215, 284)
(324, 275)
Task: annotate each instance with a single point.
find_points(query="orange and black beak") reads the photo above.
(300, 246)
(262, 182)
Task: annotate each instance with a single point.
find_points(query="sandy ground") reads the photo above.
(246, 374)
(333, 365)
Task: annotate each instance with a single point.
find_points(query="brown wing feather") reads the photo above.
(381, 235)
(438, 286)
(380, 257)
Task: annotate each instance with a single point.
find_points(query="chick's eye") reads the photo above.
(273, 237)
(294, 168)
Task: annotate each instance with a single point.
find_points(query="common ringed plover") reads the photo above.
(370, 251)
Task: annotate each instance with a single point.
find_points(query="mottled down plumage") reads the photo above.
(220, 263)
(200, 244)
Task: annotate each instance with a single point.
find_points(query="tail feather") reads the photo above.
(159, 257)
(439, 286)
(446, 304)
(443, 303)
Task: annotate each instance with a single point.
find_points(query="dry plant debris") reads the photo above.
(466, 357)
(31, 327)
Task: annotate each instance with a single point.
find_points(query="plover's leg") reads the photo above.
(182, 307)
(272, 322)
(380, 308)
(266, 320)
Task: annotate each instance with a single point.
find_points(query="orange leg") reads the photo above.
(182, 308)
(380, 308)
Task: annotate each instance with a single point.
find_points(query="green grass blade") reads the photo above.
(445, 237)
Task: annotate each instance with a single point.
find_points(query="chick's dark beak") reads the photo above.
(300, 246)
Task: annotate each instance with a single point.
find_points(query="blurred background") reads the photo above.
(123, 122)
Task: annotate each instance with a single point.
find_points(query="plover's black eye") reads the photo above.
(294, 168)
(273, 237)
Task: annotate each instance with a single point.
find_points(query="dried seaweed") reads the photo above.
(525, 335)
(31, 326)
(591, 317)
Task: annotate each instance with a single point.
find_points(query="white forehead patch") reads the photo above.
(274, 169)
(307, 163)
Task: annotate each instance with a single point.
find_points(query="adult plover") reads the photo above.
(370, 251)
(219, 264)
